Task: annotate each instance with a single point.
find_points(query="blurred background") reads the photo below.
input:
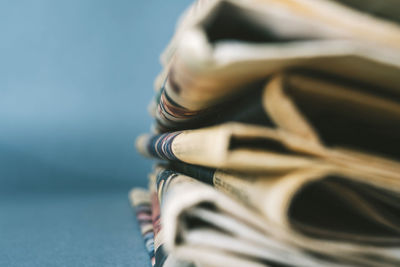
(75, 80)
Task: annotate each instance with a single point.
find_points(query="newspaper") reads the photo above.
(277, 124)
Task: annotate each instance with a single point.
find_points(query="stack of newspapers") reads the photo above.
(277, 136)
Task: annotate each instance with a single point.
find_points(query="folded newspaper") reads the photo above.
(277, 136)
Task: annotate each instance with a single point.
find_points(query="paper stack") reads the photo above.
(277, 130)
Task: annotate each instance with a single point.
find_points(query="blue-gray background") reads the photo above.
(75, 80)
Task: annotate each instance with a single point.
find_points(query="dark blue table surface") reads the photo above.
(75, 80)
